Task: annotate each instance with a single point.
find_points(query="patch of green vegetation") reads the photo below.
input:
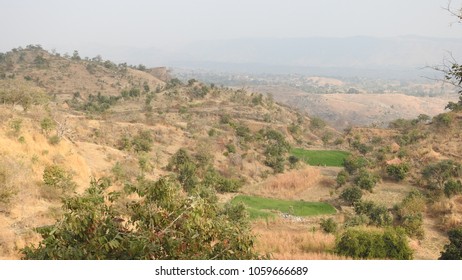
(321, 157)
(260, 207)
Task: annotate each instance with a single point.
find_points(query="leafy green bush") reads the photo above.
(221, 184)
(378, 215)
(163, 223)
(342, 178)
(351, 195)
(276, 149)
(452, 187)
(453, 250)
(47, 125)
(443, 120)
(374, 244)
(366, 180)
(436, 174)
(354, 163)
(398, 171)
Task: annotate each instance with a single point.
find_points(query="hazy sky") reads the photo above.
(169, 23)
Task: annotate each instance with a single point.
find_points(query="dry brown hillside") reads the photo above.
(91, 119)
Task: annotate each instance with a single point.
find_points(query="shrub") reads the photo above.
(353, 163)
(398, 171)
(351, 195)
(413, 225)
(162, 223)
(142, 142)
(443, 120)
(369, 244)
(276, 148)
(47, 125)
(453, 250)
(377, 214)
(54, 140)
(221, 184)
(57, 177)
(16, 125)
(317, 123)
(230, 148)
(328, 225)
(342, 178)
(452, 187)
(293, 160)
(366, 180)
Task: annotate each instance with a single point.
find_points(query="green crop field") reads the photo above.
(260, 207)
(321, 157)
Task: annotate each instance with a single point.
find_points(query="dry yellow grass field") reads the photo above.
(287, 240)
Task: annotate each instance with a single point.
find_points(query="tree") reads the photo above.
(276, 149)
(75, 55)
(436, 174)
(351, 195)
(453, 250)
(162, 223)
(366, 180)
(354, 163)
(342, 178)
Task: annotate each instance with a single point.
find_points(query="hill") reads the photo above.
(203, 148)
(86, 118)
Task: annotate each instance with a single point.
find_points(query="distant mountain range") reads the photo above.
(352, 56)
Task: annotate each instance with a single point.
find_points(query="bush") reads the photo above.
(142, 142)
(413, 225)
(57, 177)
(366, 180)
(47, 125)
(328, 225)
(398, 171)
(221, 184)
(369, 244)
(436, 174)
(351, 195)
(453, 250)
(54, 140)
(443, 120)
(377, 214)
(317, 123)
(230, 148)
(162, 223)
(452, 187)
(353, 163)
(276, 148)
(342, 178)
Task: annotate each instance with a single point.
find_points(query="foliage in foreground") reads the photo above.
(453, 250)
(164, 223)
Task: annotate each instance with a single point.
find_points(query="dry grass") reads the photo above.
(285, 240)
(288, 185)
(448, 212)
